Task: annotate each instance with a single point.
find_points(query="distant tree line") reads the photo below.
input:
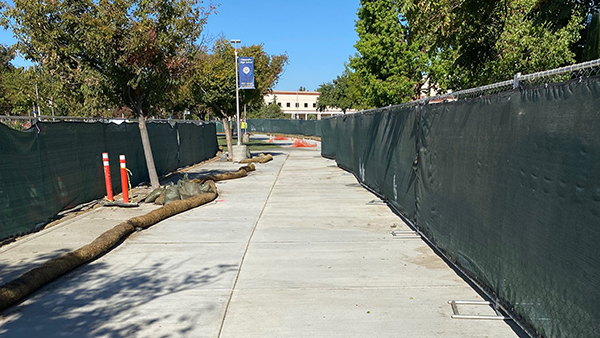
(409, 47)
(138, 58)
(114, 58)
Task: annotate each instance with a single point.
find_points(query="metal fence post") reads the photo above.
(516, 81)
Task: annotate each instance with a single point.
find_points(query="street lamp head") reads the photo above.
(236, 41)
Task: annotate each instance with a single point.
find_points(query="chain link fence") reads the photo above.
(52, 166)
(577, 72)
(505, 187)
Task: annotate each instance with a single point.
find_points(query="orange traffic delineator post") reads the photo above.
(124, 179)
(109, 192)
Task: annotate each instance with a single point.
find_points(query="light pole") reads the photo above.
(237, 93)
(37, 94)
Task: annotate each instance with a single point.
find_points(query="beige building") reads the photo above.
(299, 105)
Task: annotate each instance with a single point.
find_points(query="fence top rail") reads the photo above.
(44, 118)
(562, 70)
(8, 117)
(497, 87)
(459, 93)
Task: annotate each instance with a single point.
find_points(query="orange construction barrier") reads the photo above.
(109, 192)
(124, 179)
(281, 138)
(301, 143)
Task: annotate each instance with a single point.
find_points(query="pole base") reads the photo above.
(239, 152)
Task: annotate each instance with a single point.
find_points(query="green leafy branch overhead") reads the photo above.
(410, 48)
(136, 49)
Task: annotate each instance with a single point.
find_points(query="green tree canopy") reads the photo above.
(6, 70)
(133, 51)
(342, 93)
(498, 39)
(213, 80)
(7, 54)
(213, 76)
(390, 63)
(272, 110)
(407, 46)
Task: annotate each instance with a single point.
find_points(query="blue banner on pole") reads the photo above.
(246, 72)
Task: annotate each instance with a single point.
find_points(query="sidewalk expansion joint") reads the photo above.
(133, 242)
(248, 246)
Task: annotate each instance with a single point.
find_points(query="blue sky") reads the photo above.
(318, 36)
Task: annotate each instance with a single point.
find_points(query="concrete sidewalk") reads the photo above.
(293, 250)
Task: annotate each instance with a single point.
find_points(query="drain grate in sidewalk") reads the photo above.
(405, 234)
(458, 315)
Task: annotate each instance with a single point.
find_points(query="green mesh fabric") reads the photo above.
(56, 166)
(282, 126)
(507, 186)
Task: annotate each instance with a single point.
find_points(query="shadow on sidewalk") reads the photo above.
(95, 300)
(10, 271)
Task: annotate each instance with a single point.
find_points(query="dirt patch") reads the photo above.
(427, 259)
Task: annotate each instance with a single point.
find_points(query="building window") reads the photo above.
(287, 104)
(314, 105)
(306, 105)
(279, 104)
(297, 105)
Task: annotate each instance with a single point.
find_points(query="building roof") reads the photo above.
(292, 92)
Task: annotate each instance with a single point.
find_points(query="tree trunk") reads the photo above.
(148, 152)
(228, 137)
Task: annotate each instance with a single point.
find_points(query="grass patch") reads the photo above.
(253, 145)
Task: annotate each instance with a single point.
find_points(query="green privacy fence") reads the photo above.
(507, 186)
(55, 166)
(280, 126)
